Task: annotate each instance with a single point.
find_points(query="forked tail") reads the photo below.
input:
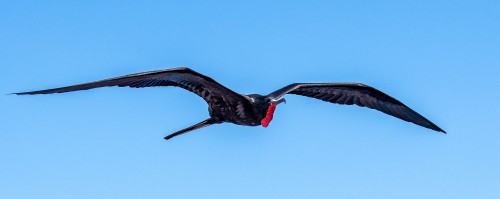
(202, 124)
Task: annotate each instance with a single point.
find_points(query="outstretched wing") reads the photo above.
(359, 94)
(203, 86)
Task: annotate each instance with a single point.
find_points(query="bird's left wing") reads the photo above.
(359, 94)
(203, 86)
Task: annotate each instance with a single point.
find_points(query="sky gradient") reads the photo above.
(441, 58)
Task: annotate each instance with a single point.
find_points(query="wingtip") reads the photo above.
(440, 130)
(21, 93)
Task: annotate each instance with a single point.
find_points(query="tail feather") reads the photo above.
(202, 124)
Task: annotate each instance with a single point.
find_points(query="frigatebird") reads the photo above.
(225, 105)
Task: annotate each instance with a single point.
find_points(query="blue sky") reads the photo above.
(441, 58)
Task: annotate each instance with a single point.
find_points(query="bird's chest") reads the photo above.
(239, 112)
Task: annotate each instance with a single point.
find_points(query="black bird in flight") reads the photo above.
(225, 105)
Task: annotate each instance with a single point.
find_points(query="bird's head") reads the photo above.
(257, 99)
(265, 106)
(272, 103)
(276, 102)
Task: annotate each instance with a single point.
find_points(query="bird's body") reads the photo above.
(225, 105)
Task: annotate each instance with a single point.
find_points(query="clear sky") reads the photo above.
(441, 58)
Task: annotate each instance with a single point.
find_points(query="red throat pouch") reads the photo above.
(269, 116)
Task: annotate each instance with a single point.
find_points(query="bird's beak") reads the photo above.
(278, 101)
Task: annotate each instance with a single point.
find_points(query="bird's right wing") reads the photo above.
(201, 85)
(359, 94)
